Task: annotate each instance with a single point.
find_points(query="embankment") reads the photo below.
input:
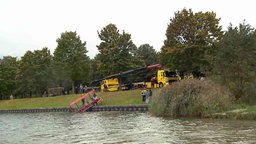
(140, 108)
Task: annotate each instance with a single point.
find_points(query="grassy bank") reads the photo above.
(132, 97)
(238, 111)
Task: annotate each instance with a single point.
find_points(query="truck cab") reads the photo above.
(161, 79)
(158, 81)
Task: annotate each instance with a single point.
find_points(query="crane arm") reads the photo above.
(156, 66)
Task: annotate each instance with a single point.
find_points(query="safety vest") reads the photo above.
(144, 92)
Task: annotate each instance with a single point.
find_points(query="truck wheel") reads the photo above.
(161, 85)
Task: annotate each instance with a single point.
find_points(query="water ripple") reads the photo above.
(120, 127)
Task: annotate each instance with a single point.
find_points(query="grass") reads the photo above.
(251, 109)
(245, 112)
(132, 97)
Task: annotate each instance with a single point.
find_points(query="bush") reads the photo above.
(190, 98)
(250, 96)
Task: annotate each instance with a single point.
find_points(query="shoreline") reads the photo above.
(235, 114)
(141, 108)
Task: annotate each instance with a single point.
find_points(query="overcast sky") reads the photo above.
(34, 24)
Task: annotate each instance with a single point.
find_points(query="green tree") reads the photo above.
(34, 73)
(235, 61)
(70, 60)
(95, 65)
(191, 39)
(116, 51)
(8, 68)
(148, 54)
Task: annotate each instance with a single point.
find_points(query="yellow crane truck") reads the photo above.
(112, 82)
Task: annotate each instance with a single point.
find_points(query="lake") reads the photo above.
(119, 127)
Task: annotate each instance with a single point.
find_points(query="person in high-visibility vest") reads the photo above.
(190, 76)
(185, 76)
(143, 93)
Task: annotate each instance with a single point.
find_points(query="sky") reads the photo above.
(35, 24)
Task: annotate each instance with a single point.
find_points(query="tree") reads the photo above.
(235, 61)
(116, 51)
(8, 68)
(95, 71)
(148, 54)
(70, 60)
(191, 39)
(34, 73)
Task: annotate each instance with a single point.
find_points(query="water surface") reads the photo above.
(120, 127)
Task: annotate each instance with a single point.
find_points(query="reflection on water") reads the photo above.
(120, 127)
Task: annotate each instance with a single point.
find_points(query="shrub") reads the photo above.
(250, 96)
(190, 98)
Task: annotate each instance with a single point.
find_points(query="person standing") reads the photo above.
(85, 89)
(143, 94)
(150, 96)
(83, 101)
(147, 96)
(81, 88)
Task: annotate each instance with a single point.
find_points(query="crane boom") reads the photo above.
(156, 66)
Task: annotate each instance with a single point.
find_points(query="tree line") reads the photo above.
(195, 42)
